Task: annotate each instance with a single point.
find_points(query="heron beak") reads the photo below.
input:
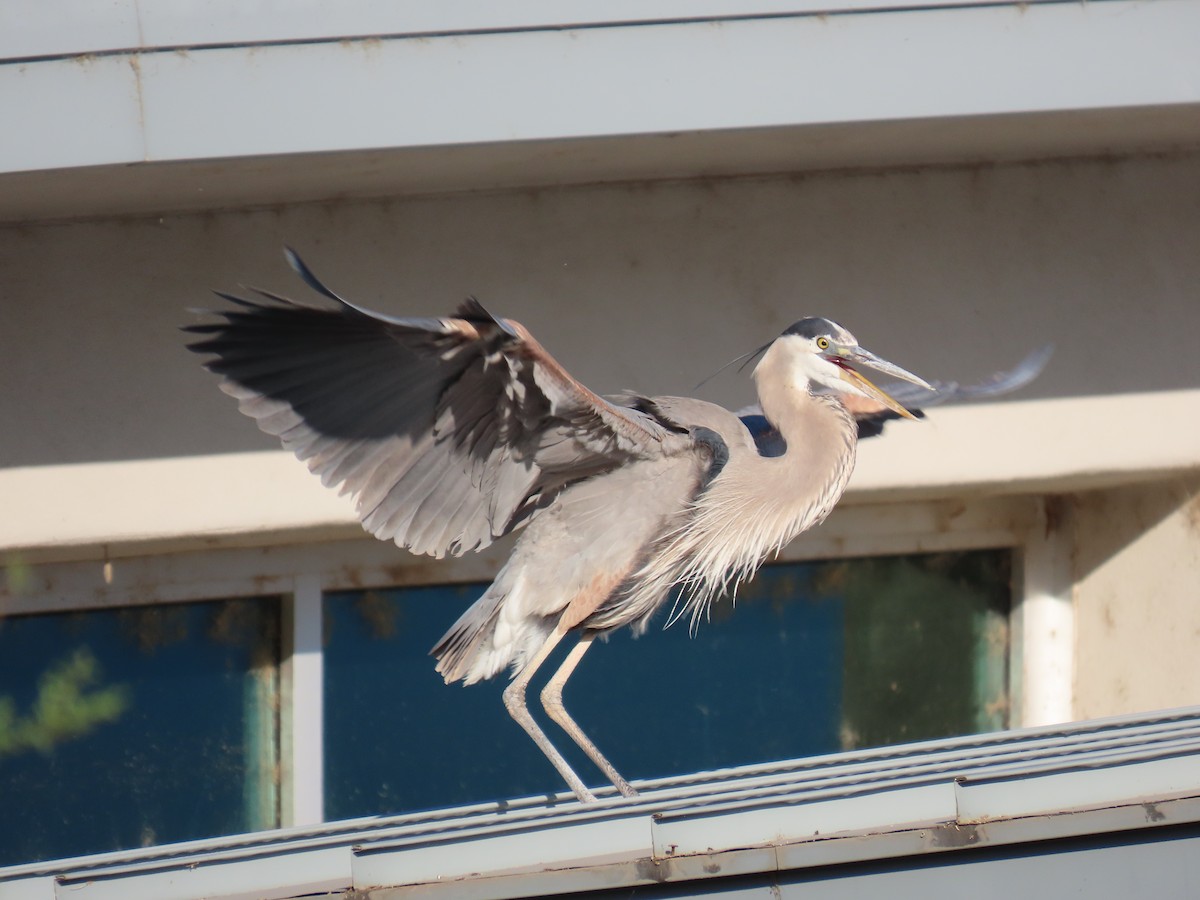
(867, 358)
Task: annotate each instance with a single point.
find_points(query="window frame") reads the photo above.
(1041, 662)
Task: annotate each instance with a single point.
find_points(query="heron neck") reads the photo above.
(820, 436)
(784, 394)
(787, 399)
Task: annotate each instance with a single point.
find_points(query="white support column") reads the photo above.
(1045, 624)
(302, 715)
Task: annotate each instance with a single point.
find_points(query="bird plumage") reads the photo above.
(451, 432)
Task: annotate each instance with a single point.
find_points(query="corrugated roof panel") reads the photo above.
(1050, 792)
(1098, 777)
(500, 850)
(273, 875)
(786, 821)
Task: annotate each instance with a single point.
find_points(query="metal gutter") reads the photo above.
(1033, 785)
(83, 28)
(220, 120)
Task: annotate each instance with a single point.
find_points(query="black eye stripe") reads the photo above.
(815, 328)
(810, 328)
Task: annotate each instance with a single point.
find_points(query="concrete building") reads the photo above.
(652, 188)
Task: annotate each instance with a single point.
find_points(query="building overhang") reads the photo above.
(164, 110)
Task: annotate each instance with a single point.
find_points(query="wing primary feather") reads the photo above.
(474, 311)
(429, 323)
(301, 268)
(448, 432)
(240, 301)
(276, 298)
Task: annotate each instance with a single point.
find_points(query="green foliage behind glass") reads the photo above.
(926, 643)
(69, 705)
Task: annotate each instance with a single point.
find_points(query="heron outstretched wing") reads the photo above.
(871, 416)
(448, 432)
(1003, 382)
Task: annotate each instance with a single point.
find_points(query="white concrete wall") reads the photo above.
(953, 273)
(1137, 598)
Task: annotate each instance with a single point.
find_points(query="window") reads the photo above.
(817, 657)
(135, 726)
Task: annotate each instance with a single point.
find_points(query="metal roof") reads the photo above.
(1103, 777)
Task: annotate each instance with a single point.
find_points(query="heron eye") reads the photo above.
(822, 343)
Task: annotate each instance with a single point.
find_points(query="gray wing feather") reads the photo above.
(871, 417)
(998, 384)
(447, 432)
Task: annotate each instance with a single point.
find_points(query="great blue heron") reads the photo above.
(450, 432)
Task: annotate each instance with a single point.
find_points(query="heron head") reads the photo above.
(823, 354)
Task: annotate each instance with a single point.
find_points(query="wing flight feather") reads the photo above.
(871, 416)
(448, 432)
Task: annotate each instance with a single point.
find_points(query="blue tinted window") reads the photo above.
(815, 657)
(121, 728)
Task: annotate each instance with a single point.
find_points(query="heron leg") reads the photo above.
(514, 701)
(552, 701)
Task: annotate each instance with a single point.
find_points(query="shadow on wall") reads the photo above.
(1110, 522)
(954, 273)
